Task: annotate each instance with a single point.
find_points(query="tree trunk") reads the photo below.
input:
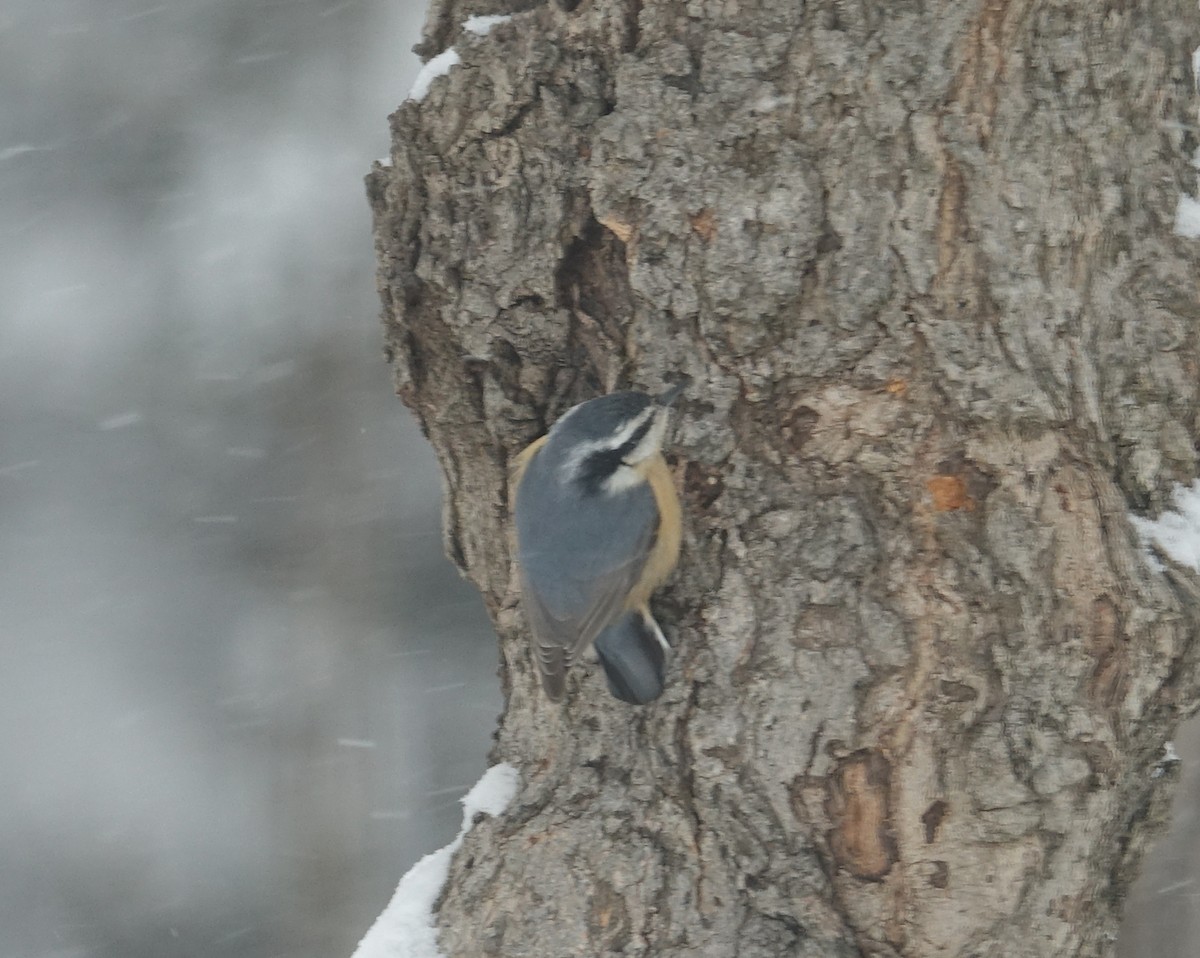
(917, 259)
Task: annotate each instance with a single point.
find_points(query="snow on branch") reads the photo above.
(406, 928)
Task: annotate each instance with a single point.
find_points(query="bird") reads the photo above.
(598, 529)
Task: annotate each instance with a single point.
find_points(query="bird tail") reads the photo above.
(634, 655)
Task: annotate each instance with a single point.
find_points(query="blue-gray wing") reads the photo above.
(559, 639)
(578, 562)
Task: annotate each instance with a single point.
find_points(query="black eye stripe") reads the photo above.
(602, 464)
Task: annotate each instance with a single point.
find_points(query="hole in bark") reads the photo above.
(703, 484)
(957, 691)
(932, 819)
(941, 875)
(568, 6)
(592, 281)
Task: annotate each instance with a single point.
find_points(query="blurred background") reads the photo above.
(241, 690)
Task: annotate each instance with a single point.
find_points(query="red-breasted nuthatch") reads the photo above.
(598, 530)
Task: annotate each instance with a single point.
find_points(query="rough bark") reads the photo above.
(917, 260)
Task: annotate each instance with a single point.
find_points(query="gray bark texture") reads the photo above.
(917, 260)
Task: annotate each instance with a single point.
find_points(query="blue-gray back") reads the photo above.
(576, 548)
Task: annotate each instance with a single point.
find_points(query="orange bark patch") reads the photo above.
(857, 805)
(704, 224)
(949, 493)
(620, 229)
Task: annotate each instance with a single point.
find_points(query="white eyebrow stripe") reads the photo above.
(571, 464)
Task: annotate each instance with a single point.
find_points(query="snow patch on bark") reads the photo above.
(1176, 533)
(1187, 210)
(406, 928)
(438, 66)
(1187, 218)
(482, 26)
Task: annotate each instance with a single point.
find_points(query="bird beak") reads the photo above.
(668, 396)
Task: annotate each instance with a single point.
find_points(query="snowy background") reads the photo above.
(241, 691)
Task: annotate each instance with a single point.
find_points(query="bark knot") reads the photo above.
(858, 806)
